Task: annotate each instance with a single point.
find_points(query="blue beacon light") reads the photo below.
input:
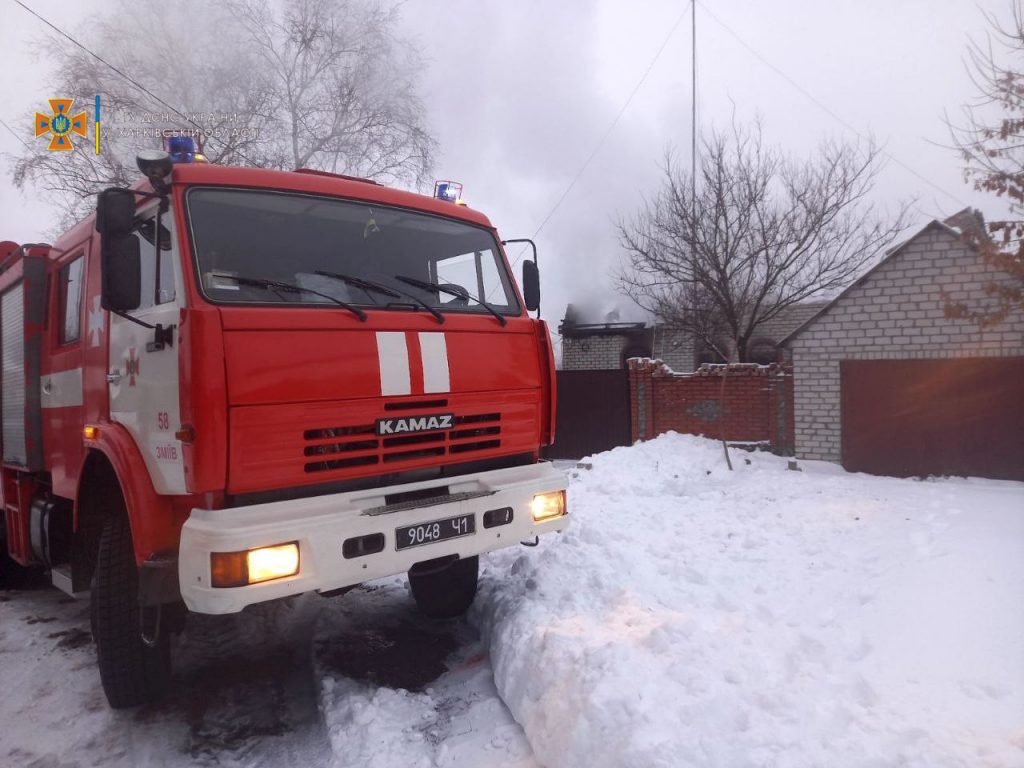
(449, 191)
(182, 149)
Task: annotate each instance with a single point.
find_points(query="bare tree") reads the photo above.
(764, 232)
(991, 143)
(310, 83)
(199, 66)
(343, 86)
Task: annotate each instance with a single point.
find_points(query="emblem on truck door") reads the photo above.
(414, 424)
(131, 366)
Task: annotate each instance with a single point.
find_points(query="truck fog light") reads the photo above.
(238, 569)
(546, 506)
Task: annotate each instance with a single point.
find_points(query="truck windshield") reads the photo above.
(306, 241)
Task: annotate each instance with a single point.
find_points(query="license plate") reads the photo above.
(436, 530)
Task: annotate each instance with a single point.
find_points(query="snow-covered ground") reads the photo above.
(402, 691)
(360, 680)
(243, 694)
(764, 617)
(691, 616)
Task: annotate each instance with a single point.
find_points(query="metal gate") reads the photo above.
(934, 417)
(593, 413)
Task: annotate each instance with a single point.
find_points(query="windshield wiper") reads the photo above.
(435, 288)
(357, 282)
(367, 287)
(277, 285)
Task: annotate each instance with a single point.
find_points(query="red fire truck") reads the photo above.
(232, 385)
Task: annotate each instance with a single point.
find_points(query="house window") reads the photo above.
(69, 281)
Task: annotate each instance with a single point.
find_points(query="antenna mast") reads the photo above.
(693, 108)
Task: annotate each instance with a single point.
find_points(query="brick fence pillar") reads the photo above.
(780, 411)
(641, 396)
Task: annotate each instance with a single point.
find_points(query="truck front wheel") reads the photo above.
(132, 671)
(447, 591)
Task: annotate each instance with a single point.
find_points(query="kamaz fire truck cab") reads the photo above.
(233, 385)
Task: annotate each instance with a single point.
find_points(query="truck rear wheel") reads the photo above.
(447, 591)
(132, 672)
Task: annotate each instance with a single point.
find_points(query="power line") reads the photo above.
(127, 77)
(607, 132)
(15, 135)
(100, 59)
(823, 107)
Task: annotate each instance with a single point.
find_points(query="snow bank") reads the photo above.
(697, 617)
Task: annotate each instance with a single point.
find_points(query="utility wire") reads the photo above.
(607, 132)
(15, 135)
(823, 107)
(100, 59)
(120, 72)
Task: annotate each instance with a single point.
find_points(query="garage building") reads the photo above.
(886, 384)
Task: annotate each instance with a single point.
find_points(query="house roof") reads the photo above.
(591, 319)
(934, 224)
(579, 330)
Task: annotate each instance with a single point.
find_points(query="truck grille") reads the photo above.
(330, 448)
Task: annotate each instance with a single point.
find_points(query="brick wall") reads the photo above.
(675, 348)
(755, 404)
(593, 352)
(894, 312)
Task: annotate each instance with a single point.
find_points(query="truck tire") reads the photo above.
(132, 673)
(447, 592)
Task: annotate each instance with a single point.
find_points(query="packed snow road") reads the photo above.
(242, 695)
(691, 616)
(358, 680)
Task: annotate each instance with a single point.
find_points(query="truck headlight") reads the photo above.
(546, 506)
(252, 566)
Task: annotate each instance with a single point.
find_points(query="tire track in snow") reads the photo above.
(399, 689)
(242, 692)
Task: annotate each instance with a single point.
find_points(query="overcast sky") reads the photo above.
(520, 94)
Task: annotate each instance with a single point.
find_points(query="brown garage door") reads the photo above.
(934, 417)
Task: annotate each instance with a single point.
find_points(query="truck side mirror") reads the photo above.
(531, 286)
(115, 211)
(121, 272)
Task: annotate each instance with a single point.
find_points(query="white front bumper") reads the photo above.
(321, 524)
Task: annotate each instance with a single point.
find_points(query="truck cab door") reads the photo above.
(61, 396)
(142, 373)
